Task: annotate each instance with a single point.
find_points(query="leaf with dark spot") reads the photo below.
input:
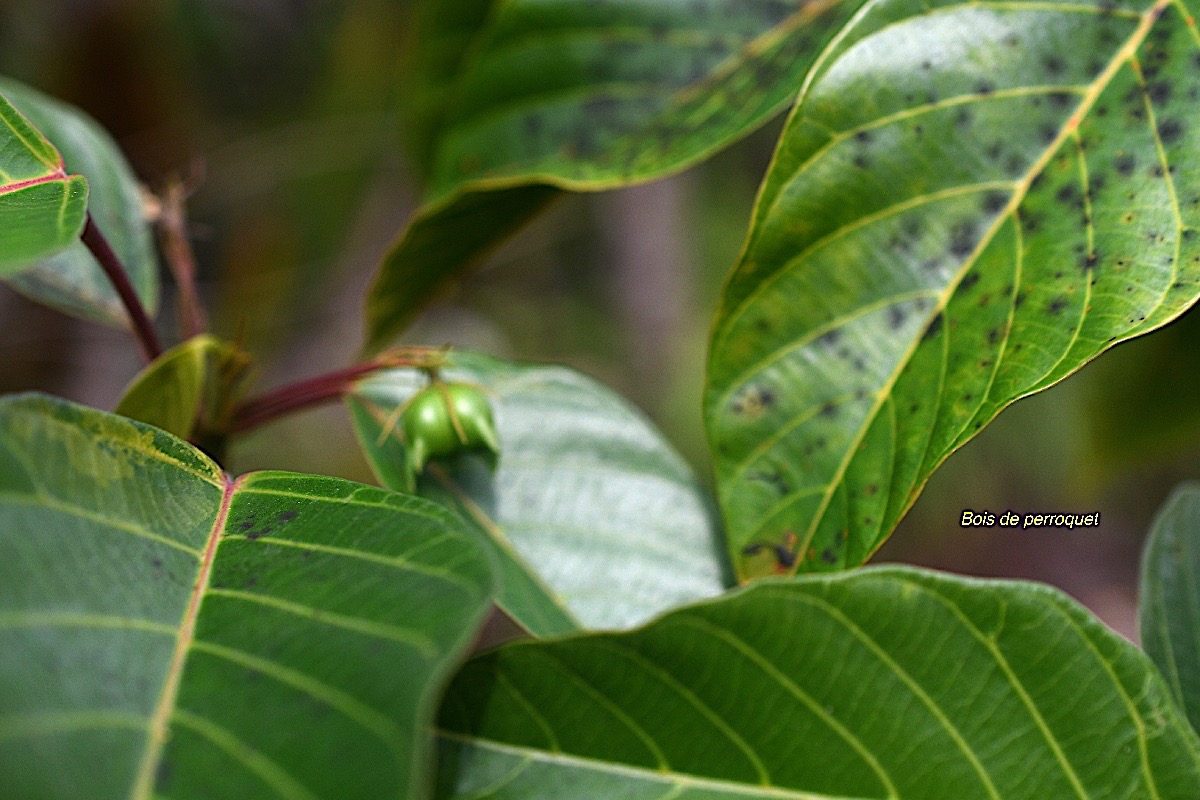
(524, 100)
(1080, 183)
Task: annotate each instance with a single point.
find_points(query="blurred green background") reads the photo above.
(289, 110)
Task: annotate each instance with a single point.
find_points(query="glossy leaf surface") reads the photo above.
(892, 683)
(168, 632)
(42, 208)
(1170, 602)
(71, 280)
(585, 96)
(970, 202)
(594, 519)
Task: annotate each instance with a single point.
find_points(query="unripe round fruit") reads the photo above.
(445, 419)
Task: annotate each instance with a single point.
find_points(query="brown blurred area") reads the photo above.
(290, 107)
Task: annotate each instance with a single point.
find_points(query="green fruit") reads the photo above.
(446, 419)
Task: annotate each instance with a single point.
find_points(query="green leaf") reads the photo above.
(441, 239)
(72, 280)
(593, 517)
(1170, 603)
(192, 385)
(586, 96)
(891, 683)
(166, 630)
(969, 202)
(440, 37)
(42, 208)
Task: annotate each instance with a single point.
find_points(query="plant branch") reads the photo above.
(173, 233)
(143, 328)
(325, 388)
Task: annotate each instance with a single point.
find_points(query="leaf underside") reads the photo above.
(167, 632)
(71, 280)
(1170, 602)
(586, 96)
(885, 683)
(970, 202)
(594, 519)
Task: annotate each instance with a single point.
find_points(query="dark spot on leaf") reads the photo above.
(870, 490)
(1169, 130)
(753, 402)
(1049, 133)
(246, 524)
(829, 409)
(994, 202)
(1159, 92)
(1060, 99)
(1124, 164)
(1054, 65)
(829, 339)
(985, 87)
(863, 137)
(862, 162)
(1012, 40)
(968, 281)
(162, 773)
(963, 238)
(994, 335)
(1057, 305)
(1069, 195)
(963, 118)
(935, 325)
(828, 556)
(773, 479)
(288, 516)
(896, 318)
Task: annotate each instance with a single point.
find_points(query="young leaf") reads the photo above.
(968, 203)
(42, 208)
(585, 96)
(166, 631)
(593, 518)
(71, 280)
(1170, 605)
(889, 683)
(191, 386)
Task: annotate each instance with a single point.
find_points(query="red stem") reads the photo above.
(143, 329)
(302, 394)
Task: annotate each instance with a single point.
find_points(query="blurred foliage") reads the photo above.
(284, 113)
